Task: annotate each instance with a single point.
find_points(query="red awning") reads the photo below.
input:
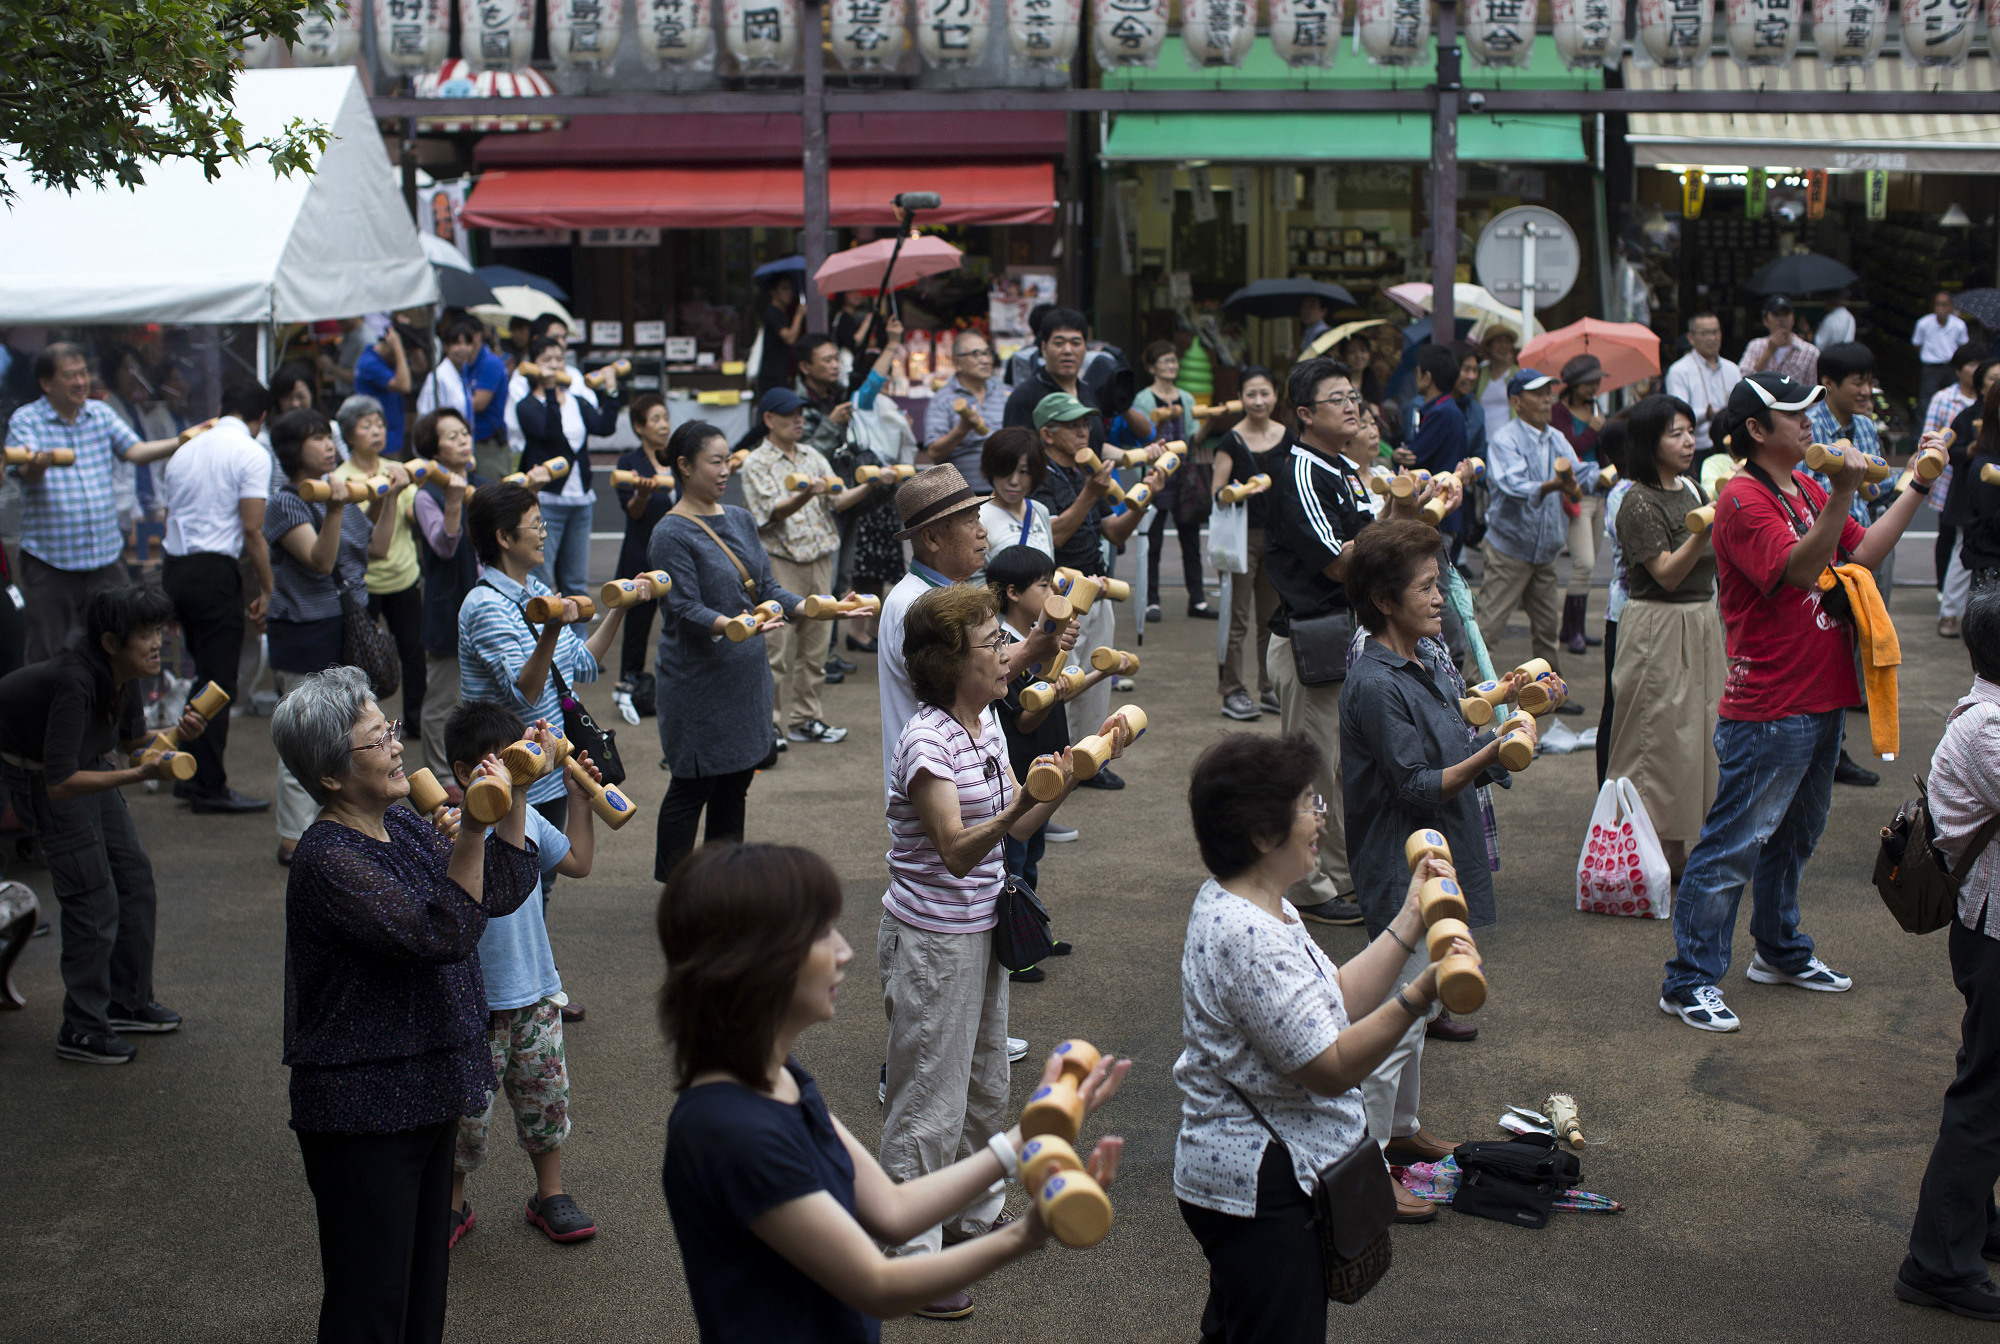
(727, 198)
(774, 138)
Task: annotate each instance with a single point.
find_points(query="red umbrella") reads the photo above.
(859, 270)
(1628, 351)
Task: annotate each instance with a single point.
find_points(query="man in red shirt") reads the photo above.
(1790, 683)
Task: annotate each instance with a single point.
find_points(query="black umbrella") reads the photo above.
(1801, 273)
(1981, 305)
(514, 275)
(462, 289)
(1280, 298)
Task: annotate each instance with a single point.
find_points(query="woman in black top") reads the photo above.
(59, 722)
(448, 567)
(777, 1209)
(1980, 551)
(1253, 448)
(645, 503)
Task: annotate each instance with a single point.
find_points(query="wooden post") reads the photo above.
(1444, 176)
(818, 206)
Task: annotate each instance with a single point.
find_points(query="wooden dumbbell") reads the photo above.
(1115, 661)
(1116, 589)
(902, 471)
(1088, 459)
(736, 459)
(612, 807)
(1442, 898)
(1484, 701)
(1045, 778)
(58, 457)
(1831, 457)
(1080, 590)
(1042, 694)
(1073, 1205)
(421, 470)
(1234, 494)
(1607, 476)
(1057, 612)
(1517, 746)
(426, 794)
(1403, 485)
(969, 413)
(1161, 414)
(528, 760)
(1220, 408)
(1378, 480)
(596, 378)
(556, 467)
(659, 481)
(179, 763)
(1461, 984)
(1134, 457)
(489, 798)
(1544, 695)
(799, 480)
(208, 702)
(542, 610)
(1139, 497)
(1435, 508)
(742, 627)
(1478, 468)
(1057, 1108)
(1700, 520)
(1534, 669)
(639, 588)
(1425, 844)
(348, 491)
(825, 607)
(1089, 756)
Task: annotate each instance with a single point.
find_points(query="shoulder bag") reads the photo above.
(749, 583)
(582, 730)
(363, 641)
(1917, 883)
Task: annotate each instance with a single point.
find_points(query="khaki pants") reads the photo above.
(946, 997)
(1584, 530)
(1511, 583)
(1314, 711)
(1097, 629)
(441, 697)
(798, 653)
(1250, 594)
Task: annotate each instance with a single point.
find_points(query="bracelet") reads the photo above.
(1400, 943)
(1920, 487)
(1407, 1006)
(1010, 1161)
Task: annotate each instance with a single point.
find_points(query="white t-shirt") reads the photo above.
(445, 387)
(1937, 344)
(1704, 387)
(898, 697)
(1003, 529)
(202, 483)
(923, 892)
(1836, 328)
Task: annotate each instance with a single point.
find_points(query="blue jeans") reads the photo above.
(565, 566)
(1771, 802)
(1024, 857)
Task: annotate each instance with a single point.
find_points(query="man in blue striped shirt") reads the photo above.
(70, 541)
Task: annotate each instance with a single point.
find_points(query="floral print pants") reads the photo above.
(527, 1045)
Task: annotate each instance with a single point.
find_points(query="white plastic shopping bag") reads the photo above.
(1229, 538)
(1623, 870)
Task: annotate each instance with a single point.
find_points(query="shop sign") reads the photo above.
(867, 34)
(1128, 32)
(1850, 32)
(1163, 191)
(1762, 32)
(583, 34)
(674, 32)
(1815, 193)
(1043, 32)
(1326, 197)
(619, 235)
(1393, 32)
(1938, 33)
(763, 35)
(1694, 187)
(528, 237)
(1856, 161)
(1500, 32)
(1201, 195)
(1676, 33)
(1307, 32)
(650, 333)
(1876, 191)
(953, 32)
(607, 333)
(325, 41)
(1242, 181)
(678, 349)
(412, 35)
(1589, 32)
(1284, 187)
(1217, 32)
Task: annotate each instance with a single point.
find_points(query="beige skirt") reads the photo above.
(1666, 686)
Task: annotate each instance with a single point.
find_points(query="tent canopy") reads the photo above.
(248, 247)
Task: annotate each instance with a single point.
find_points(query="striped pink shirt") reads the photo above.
(922, 891)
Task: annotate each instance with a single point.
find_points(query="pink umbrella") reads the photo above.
(1629, 352)
(859, 270)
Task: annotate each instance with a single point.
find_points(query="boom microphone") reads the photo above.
(917, 200)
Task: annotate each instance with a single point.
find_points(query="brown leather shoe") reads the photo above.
(954, 1308)
(1410, 1209)
(1422, 1146)
(1445, 1027)
(573, 1012)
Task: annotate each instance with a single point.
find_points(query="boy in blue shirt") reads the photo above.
(523, 993)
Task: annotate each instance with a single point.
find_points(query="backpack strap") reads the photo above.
(1980, 840)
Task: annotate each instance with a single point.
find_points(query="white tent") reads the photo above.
(248, 247)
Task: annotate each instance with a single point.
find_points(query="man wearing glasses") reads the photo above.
(957, 436)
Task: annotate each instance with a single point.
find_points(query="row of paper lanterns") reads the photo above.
(871, 35)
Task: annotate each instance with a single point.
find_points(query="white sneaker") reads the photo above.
(1817, 975)
(1017, 1049)
(622, 700)
(1707, 1012)
(812, 730)
(1124, 684)
(1058, 834)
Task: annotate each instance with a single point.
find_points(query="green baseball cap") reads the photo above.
(1059, 408)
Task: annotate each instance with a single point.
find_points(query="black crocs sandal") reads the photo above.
(560, 1219)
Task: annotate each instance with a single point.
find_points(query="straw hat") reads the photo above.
(933, 495)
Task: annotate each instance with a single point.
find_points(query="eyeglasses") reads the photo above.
(994, 645)
(390, 735)
(1315, 805)
(539, 527)
(1338, 399)
(981, 353)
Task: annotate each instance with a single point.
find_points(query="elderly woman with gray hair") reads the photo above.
(385, 1012)
(395, 588)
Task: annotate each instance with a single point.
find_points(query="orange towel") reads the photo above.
(1881, 653)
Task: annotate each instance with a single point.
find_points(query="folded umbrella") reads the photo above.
(1800, 273)
(859, 270)
(1628, 351)
(1280, 297)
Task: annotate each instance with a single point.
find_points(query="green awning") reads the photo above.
(1307, 137)
(1262, 69)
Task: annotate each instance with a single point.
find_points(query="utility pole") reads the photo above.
(1444, 175)
(812, 114)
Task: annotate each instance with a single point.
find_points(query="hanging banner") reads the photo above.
(1876, 190)
(1762, 32)
(1128, 32)
(1849, 32)
(1217, 32)
(1589, 32)
(1694, 188)
(497, 34)
(1043, 32)
(1939, 33)
(867, 35)
(1242, 183)
(953, 32)
(333, 41)
(583, 34)
(438, 207)
(1163, 190)
(674, 32)
(1201, 195)
(1326, 197)
(412, 35)
(1499, 32)
(1284, 187)
(1676, 33)
(1815, 193)
(1394, 32)
(1306, 33)
(1754, 187)
(763, 35)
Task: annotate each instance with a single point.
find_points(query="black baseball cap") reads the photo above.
(1761, 392)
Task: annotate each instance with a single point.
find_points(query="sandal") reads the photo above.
(560, 1219)
(462, 1220)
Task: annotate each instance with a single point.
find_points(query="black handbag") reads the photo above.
(1516, 1181)
(1021, 938)
(1353, 1209)
(582, 731)
(366, 645)
(1320, 645)
(1917, 883)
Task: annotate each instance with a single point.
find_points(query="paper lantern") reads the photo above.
(867, 35)
(1850, 32)
(497, 34)
(335, 41)
(1394, 32)
(1217, 32)
(953, 32)
(1307, 32)
(1762, 32)
(1938, 33)
(412, 35)
(1128, 32)
(1676, 33)
(583, 34)
(1043, 32)
(763, 35)
(675, 32)
(1500, 32)
(1589, 32)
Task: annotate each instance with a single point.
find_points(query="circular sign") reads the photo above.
(1497, 259)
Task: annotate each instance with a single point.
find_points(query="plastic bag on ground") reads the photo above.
(1622, 869)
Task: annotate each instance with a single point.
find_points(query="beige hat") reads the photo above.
(933, 494)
